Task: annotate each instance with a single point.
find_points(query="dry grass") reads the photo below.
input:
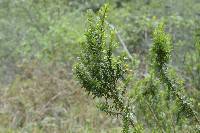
(46, 99)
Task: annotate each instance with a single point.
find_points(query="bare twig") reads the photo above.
(120, 40)
(155, 117)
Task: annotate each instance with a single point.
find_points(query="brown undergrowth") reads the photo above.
(47, 99)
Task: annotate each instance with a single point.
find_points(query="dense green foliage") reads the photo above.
(99, 71)
(143, 70)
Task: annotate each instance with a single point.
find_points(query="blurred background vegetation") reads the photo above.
(40, 40)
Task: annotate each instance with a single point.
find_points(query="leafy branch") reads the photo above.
(160, 55)
(100, 72)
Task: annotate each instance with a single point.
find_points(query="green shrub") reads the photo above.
(104, 76)
(99, 71)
